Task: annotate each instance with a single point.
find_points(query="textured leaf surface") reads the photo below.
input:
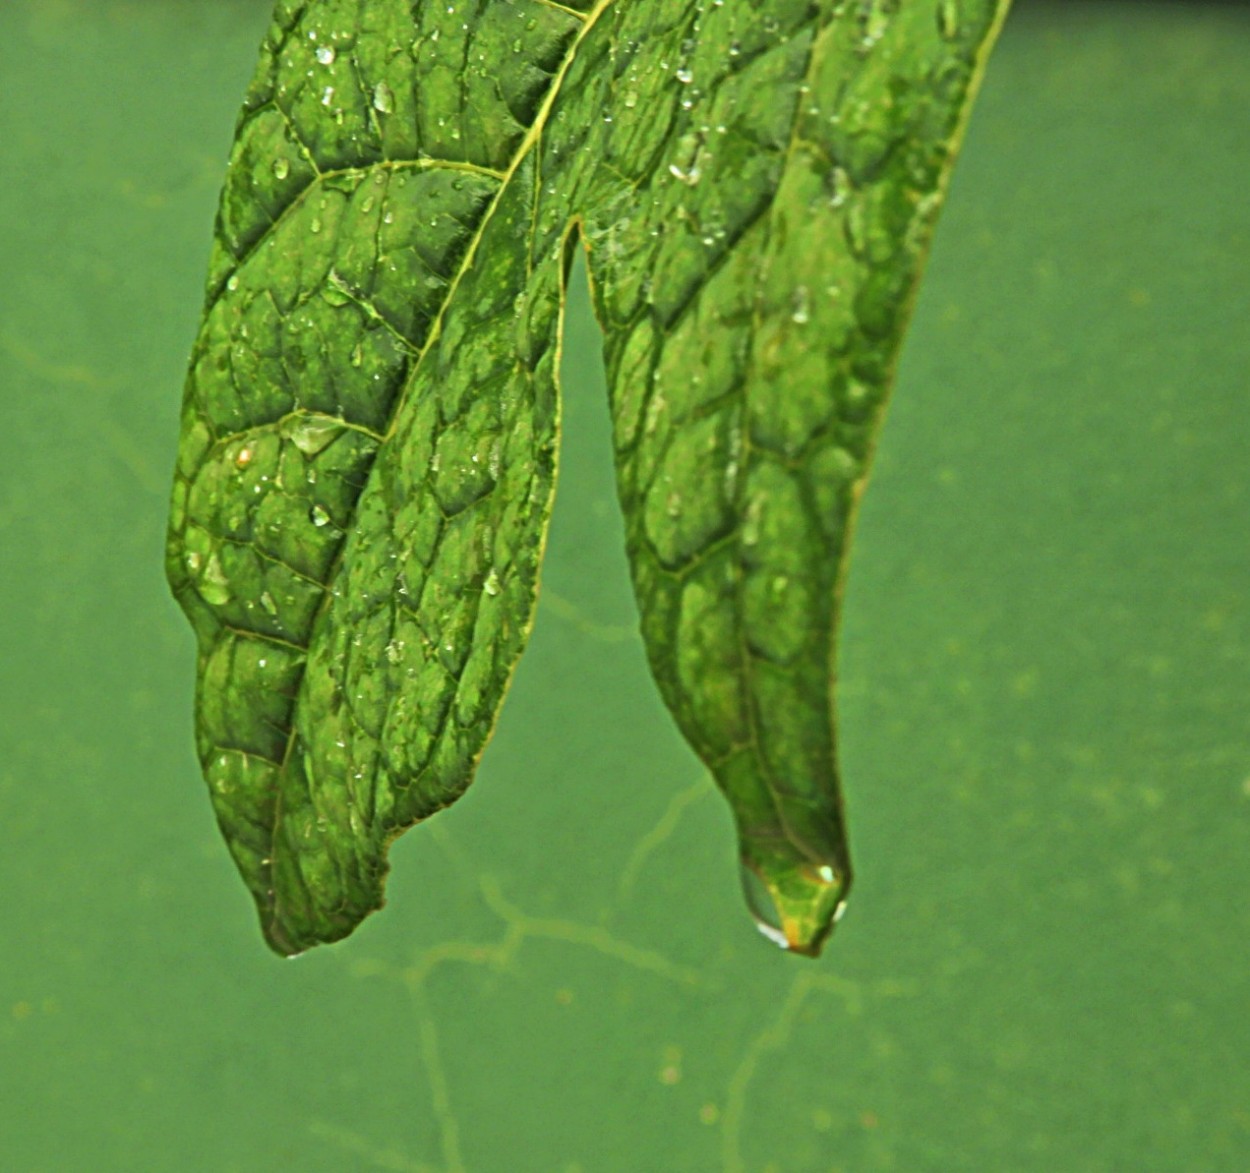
(370, 419)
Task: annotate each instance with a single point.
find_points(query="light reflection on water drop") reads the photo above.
(761, 906)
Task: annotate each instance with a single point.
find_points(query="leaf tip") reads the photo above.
(795, 905)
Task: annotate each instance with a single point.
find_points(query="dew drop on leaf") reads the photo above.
(383, 98)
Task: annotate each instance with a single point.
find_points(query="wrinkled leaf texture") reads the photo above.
(369, 428)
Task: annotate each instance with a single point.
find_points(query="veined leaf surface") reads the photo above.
(370, 420)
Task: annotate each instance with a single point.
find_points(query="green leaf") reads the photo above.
(370, 420)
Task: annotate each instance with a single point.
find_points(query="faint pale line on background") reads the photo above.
(772, 1038)
(440, 1092)
(521, 925)
(594, 937)
(51, 372)
(120, 442)
(660, 833)
(357, 1145)
(562, 608)
(456, 855)
(123, 446)
(518, 927)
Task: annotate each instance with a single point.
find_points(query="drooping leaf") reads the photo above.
(370, 419)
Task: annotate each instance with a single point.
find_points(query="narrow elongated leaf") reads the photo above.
(370, 419)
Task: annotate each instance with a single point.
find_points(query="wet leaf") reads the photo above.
(370, 419)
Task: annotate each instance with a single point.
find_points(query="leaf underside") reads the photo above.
(370, 419)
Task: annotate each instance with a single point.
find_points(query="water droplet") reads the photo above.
(281, 168)
(318, 516)
(214, 586)
(948, 19)
(690, 178)
(801, 303)
(684, 76)
(751, 524)
(325, 54)
(760, 904)
(233, 283)
(839, 187)
(655, 409)
(383, 98)
(491, 585)
(311, 433)
(337, 292)
(327, 95)
(243, 457)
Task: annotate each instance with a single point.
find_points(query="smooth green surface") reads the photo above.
(370, 421)
(1045, 670)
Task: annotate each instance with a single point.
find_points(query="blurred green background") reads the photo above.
(1045, 699)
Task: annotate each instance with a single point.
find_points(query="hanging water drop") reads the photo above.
(760, 904)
